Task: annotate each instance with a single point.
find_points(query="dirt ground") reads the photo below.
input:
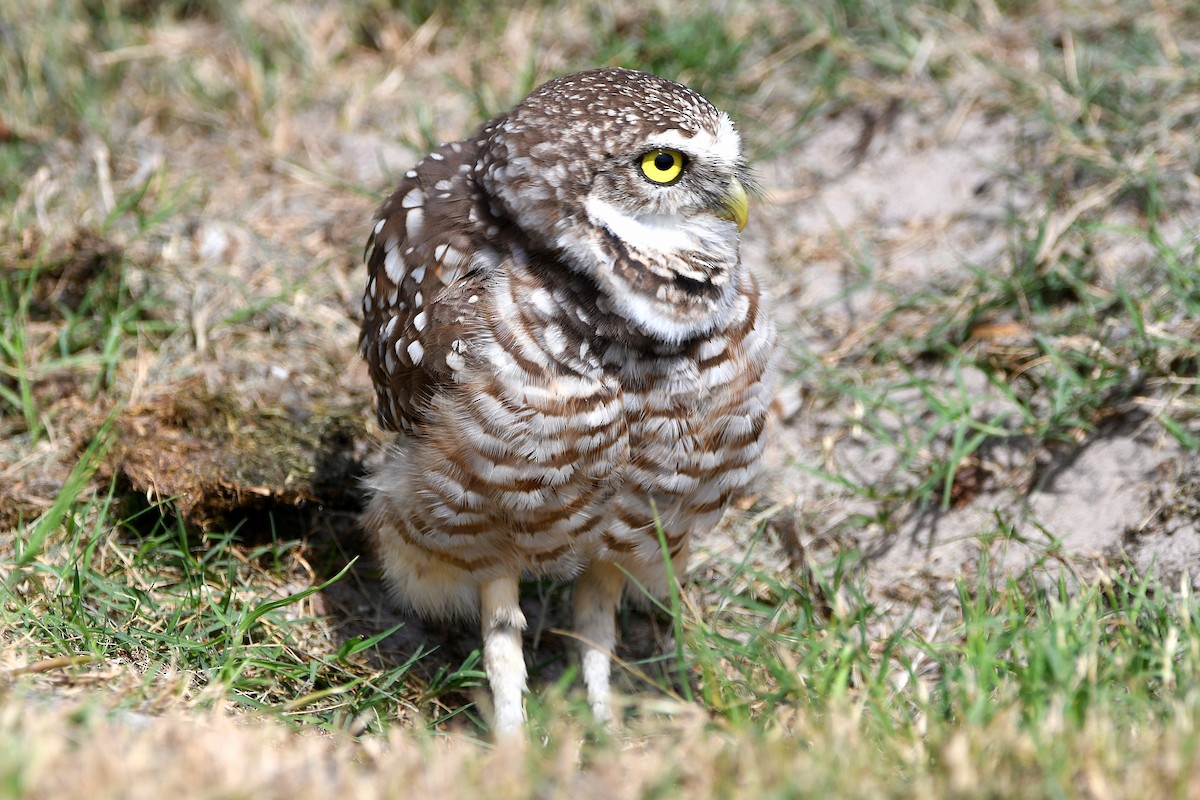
(1124, 491)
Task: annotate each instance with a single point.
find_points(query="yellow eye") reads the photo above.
(662, 166)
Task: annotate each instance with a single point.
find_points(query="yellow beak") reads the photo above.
(737, 206)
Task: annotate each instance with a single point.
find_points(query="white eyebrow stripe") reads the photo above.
(725, 146)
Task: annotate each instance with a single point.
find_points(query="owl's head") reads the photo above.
(634, 181)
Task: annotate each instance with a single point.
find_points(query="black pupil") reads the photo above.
(664, 161)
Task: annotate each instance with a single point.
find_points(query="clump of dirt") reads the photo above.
(63, 273)
(220, 462)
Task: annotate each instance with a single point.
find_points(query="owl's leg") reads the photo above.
(597, 595)
(503, 623)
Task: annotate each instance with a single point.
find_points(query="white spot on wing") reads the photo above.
(393, 266)
(415, 351)
(414, 222)
(414, 198)
(419, 321)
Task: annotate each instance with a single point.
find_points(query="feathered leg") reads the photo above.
(503, 623)
(597, 595)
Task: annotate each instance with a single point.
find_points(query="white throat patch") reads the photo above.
(662, 233)
(669, 241)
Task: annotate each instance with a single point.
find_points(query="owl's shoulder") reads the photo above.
(428, 257)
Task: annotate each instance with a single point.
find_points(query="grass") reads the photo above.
(1019, 684)
(899, 613)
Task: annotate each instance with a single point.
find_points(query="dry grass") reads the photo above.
(979, 222)
(52, 752)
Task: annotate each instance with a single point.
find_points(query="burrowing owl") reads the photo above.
(559, 326)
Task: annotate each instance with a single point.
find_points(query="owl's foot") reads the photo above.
(597, 595)
(503, 658)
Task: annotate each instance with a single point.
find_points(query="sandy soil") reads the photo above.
(929, 198)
